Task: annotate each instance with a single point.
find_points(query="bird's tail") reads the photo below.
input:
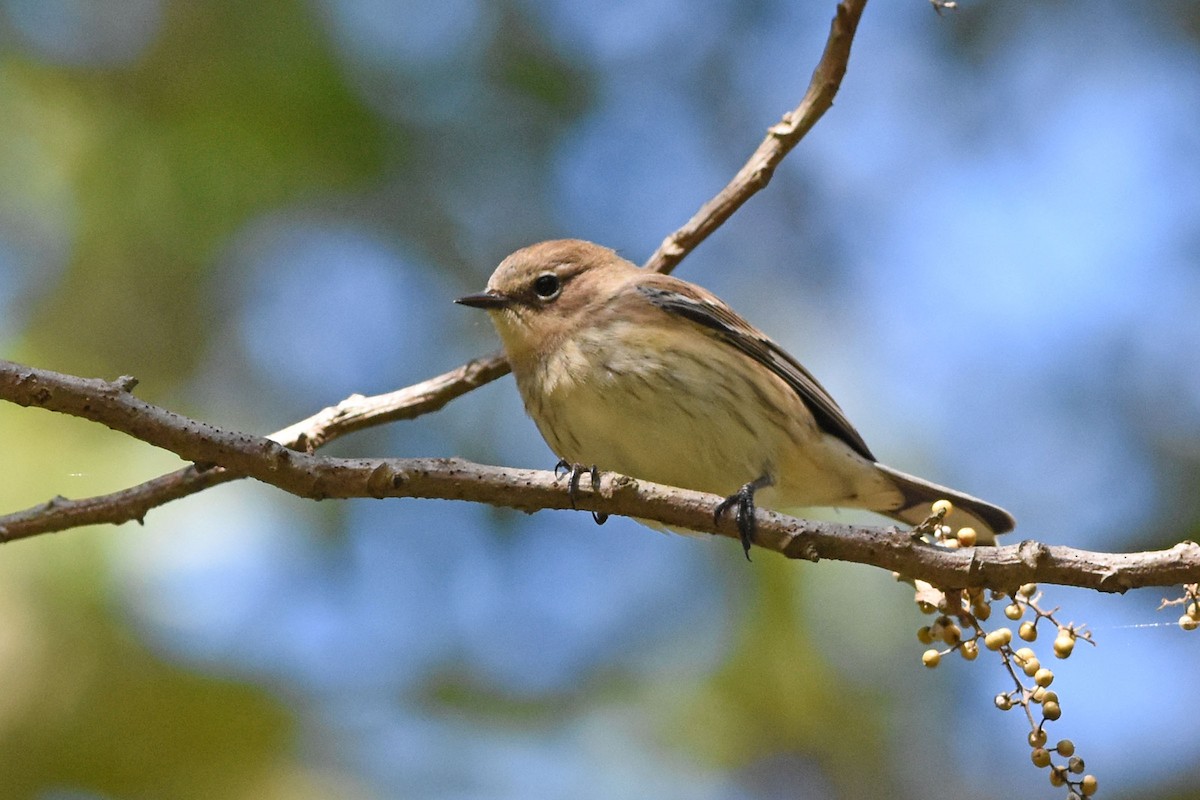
(919, 495)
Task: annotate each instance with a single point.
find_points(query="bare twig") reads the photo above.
(354, 413)
(358, 412)
(781, 138)
(305, 475)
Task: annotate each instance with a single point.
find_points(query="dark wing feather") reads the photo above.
(695, 304)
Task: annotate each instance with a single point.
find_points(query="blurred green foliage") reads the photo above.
(235, 109)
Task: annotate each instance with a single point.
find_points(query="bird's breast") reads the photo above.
(670, 407)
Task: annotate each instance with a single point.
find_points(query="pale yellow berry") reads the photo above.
(1048, 695)
(1076, 765)
(1189, 623)
(1027, 631)
(942, 507)
(1003, 702)
(1051, 711)
(1058, 776)
(1088, 786)
(1065, 748)
(1031, 667)
(1024, 656)
(1043, 677)
(924, 635)
(967, 537)
(1193, 610)
(926, 608)
(1040, 757)
(951, 544)
(969, 651)
(931, 658)
(1027, 590)
(997, 638)
(1037, 738)
(1064, 643)
(951, 634)
(982, 611)
(1013, 611)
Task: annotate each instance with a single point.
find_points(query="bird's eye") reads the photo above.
(547, 286)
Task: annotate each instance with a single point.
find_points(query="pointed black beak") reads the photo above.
(484, 300)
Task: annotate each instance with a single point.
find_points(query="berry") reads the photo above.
(997, 638)
(1064, 643)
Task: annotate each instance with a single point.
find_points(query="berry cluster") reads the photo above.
(1190, 620)
(958, 629)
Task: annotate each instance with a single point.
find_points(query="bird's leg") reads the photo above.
(743, 498)
(576, 471)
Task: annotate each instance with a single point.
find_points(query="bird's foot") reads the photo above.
(564, 467)
(743, 500)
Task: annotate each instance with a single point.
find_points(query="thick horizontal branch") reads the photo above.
(317, 477)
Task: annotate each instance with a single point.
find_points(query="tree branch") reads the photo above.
(354, 413)
(113, 404)
(781, 138)
(317, 477)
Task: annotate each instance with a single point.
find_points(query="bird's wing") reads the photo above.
(699, 306)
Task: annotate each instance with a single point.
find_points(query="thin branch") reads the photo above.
(781, 138)
(354, 413)
(358, 412)
(113, 404)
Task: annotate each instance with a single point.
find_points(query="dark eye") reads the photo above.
(547, 286)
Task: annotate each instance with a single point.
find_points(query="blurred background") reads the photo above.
(989, 252)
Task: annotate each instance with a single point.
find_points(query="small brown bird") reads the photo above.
(653, 377)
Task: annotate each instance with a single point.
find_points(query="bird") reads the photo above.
(647, 375)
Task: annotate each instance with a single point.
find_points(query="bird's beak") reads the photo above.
(485, 300)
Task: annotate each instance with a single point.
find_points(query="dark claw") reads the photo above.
(576, 471)
(599, 516)
(743, 499)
